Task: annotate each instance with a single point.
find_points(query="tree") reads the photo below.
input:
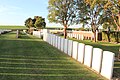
(29, 23)
(107, 21)
(82, 13)
(94, 11)
(39, 22)
(63, 12)
(112, 9)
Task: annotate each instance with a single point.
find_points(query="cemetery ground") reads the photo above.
(106, 46)
(31, 58)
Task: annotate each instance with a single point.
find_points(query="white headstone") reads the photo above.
(75, 50)
(97, 59)
(45, 31)
(66, 46)
(82, 37)
(107, 64)
(77, 36)
(54, 40)
(59, 43)
(56, 44)
(68, 34)
(71, 35)
(17, 34)
(81, 52)
(33, 33)
(39, 35)
(62, 44)
(70, 47)
(88, 55)
(47, 38)
(51, 39)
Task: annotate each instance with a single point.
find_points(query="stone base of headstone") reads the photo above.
(17, 34)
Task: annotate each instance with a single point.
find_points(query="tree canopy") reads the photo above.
(63, 12)
(37, 22)
(29, 23)
(112, 9)
(93, 13)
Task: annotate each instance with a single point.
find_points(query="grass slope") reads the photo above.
(33, 59)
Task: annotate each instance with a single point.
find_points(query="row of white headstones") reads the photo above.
(4, 31)
(79, 36)
(100, 61)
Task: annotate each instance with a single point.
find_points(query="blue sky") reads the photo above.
(15, 12)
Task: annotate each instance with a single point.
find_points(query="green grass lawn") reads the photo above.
(31, 58)
(12, 27)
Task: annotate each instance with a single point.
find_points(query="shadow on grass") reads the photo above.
(116, 70)
(31, 53)
(21, 50)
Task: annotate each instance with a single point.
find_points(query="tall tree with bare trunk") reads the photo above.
(63, 12)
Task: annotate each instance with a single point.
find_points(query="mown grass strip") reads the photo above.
(32, 60)
(33, 57)
(23, 63)
(22, 68)
(53, 75)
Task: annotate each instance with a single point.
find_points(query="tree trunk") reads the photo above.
(65, 32)
(94, 36)
(94, 31)
(117, 37)
(118, 27)
(108, 35)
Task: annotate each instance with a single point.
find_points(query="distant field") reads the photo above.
(12, 27)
